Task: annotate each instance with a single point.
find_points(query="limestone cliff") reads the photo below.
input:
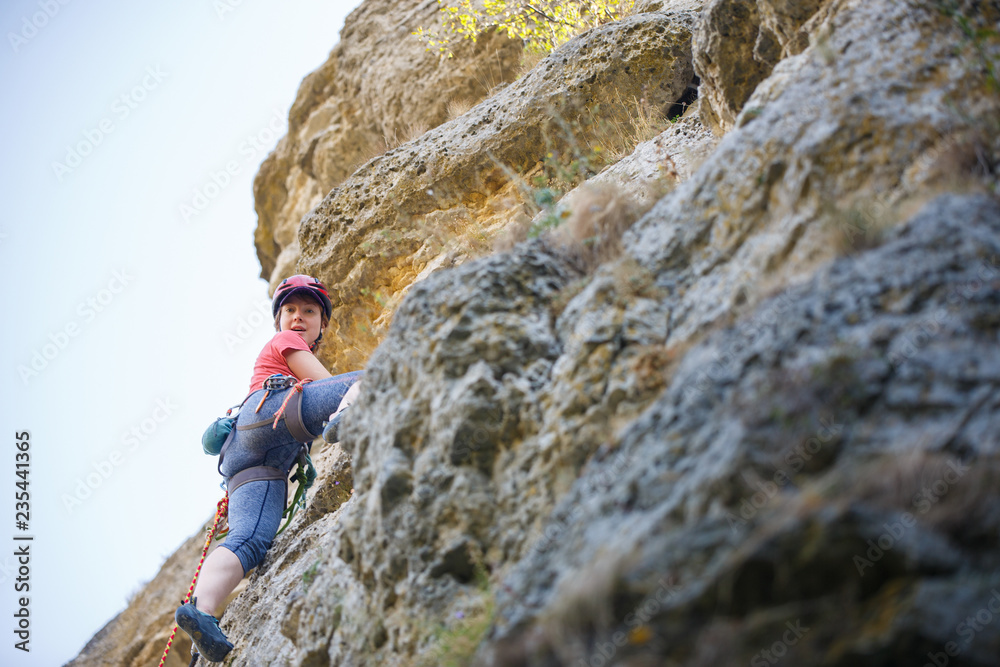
(737, 402)
(378, 88)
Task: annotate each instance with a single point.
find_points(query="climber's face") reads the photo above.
(302, 315)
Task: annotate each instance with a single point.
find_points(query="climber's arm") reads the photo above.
(304, 364)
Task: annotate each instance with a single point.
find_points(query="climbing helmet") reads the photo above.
(301, 284)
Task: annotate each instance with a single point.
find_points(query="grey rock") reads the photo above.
(374, 231)
(718, 494)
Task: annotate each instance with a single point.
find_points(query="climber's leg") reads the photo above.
(321, 398)
(220, 574)
(255, 510)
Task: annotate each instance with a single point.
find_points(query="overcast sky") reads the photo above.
(131, 134)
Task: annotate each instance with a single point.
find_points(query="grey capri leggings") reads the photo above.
(255, 508)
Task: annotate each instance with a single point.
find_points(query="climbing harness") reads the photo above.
(276, 382)
(291, 412)
(221, 512)
(218, 433)
(305, 475)
(295, 426)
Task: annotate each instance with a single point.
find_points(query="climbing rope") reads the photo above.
(297, 387)
(221, 512)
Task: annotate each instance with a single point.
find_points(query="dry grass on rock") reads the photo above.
(598, 217)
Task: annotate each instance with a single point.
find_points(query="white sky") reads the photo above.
(124, 308)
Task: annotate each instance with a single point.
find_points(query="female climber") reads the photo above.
(302, 310)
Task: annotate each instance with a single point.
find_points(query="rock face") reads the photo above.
(765, 428)
(381, 229)
(378, 87)
(738, 44)
(831, 459)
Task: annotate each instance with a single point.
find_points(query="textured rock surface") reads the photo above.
(657, 165)
(738, 43)
(481, 412)
(378, 86)
(770, 425)
(380, 230)
(827, 149)
(749, 494)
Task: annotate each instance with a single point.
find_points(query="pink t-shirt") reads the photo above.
(271, 359)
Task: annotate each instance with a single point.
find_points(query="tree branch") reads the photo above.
(550, 19)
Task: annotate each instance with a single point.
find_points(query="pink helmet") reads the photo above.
(301, 284)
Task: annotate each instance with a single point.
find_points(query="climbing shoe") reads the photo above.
(330, 432)
(204, 631)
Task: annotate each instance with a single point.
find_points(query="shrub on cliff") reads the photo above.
(541, 25)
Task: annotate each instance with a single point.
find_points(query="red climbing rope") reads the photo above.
(297, 387)
(221, 512)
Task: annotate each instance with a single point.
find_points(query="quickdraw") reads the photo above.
(221, 512)
(275, 382)
(299, 499)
